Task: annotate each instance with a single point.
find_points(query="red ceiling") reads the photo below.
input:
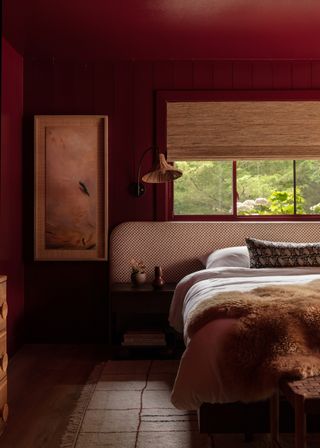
(164, 29)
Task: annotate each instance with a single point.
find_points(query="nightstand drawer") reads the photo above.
(125, 303)
(126, 298)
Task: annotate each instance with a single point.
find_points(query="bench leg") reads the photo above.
(274, 418)
(300, 423)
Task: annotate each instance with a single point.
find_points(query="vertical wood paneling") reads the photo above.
(163, 78)
(223, 75)
(83, 88)
(183, 75)
(121, 155)
(103, 88)
(126, 95)
(242, 75)
(301, 75)
(39, 87)
(143, 134)
(282, 75)
(315, 67)
(163, 75)
(11, 188)
(202, 75)
(262, 75)
(64, 85)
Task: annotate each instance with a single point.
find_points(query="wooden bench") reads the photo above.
(304, 396)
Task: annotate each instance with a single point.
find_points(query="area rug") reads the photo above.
(126, 404)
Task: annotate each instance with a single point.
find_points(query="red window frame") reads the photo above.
(164, 192)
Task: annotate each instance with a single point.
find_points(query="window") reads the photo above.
(245, 188)
(275, 139)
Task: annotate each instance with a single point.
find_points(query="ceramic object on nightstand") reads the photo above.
(138, 272)
(158, 281)
(138, 278)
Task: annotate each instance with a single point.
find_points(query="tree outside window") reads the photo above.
(264, 187)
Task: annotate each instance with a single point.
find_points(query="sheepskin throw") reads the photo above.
(276, 335)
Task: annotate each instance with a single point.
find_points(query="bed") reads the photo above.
(203, 375)
(154, 243)
(245, 330)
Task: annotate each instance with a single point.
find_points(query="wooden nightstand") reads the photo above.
(142, 311)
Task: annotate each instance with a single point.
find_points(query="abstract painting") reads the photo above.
(70, 187)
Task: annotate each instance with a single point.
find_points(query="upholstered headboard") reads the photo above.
(176, 245)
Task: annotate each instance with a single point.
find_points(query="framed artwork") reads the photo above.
(71, 198)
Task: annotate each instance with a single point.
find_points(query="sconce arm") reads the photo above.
(138, 187)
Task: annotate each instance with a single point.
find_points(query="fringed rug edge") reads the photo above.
(70, 435)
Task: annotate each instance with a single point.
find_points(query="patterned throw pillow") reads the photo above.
(269, 254)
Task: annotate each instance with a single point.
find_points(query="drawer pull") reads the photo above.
(4, 412)
(4, 362)
(4, 310)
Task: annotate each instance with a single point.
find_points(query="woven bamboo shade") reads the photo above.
(243, 130)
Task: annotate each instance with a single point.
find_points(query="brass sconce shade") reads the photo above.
(163, 172)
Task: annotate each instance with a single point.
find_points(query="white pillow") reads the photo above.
(228, 257)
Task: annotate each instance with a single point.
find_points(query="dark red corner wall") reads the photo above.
(67, 301)
(11, 260)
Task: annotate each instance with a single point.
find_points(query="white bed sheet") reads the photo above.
(200, 285)
(198, 379)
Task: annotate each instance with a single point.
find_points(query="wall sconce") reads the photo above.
(162, 172)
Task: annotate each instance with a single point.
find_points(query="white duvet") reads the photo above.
(198, 379)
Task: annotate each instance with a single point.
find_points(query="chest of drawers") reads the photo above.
(3, 352)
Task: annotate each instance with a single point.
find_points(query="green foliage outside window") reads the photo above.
(204, 189)
(263, 188)
(278, 203)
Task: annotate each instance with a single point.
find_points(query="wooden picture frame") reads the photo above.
(70, 191)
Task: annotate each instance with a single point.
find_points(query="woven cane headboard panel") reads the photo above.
(176, 245)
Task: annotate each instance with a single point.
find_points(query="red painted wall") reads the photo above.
(67, 301)
(164, 29)
(11, 262)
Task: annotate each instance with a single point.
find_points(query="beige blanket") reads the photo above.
(276, 335)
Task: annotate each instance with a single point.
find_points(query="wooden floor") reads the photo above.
(44, 383)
